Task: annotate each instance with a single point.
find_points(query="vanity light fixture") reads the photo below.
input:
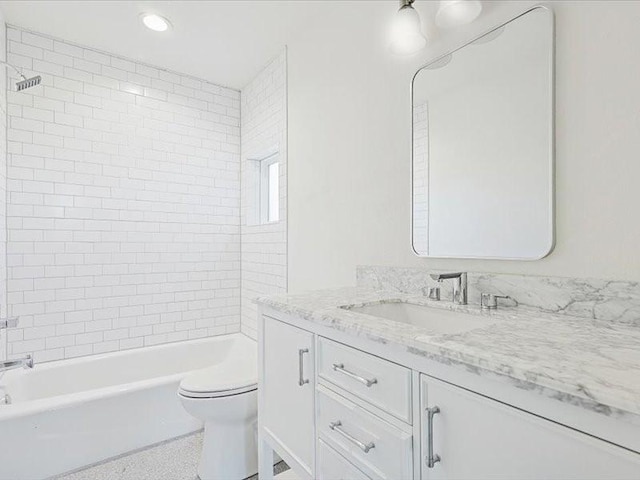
(406, 31)
(452, 13)
(155, 22)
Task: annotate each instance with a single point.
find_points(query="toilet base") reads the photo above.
(229, 451)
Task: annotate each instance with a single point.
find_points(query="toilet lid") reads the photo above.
(221, 380)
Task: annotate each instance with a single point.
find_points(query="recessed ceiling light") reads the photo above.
(155, 22)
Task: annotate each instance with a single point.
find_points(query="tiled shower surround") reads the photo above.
(264, 133)
(3, 185)
(123, 203)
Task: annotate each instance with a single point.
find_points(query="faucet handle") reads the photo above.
(489, 301)
(9, 322)
(434, 293)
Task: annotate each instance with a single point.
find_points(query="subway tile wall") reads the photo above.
(264, 132)
(123, 187)
(3, 183)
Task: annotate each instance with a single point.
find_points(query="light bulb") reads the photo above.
(457, 12)
(406, 32)
(155, 22)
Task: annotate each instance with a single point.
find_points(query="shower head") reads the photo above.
(27, 82)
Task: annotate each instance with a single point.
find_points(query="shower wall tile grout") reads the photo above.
(3, 186)
(123, 213)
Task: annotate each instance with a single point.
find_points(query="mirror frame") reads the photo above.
(552, 143)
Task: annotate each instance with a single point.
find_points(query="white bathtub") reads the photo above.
(68, 414)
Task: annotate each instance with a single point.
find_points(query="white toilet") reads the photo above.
(224, 396)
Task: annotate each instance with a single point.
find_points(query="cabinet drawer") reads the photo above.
(382, 383)
(381, 450)
(333, 466)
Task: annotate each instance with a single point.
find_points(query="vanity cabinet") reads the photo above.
(288, 390)
(335, 412)
(472, 436)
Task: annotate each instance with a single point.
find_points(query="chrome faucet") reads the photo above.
(459, 285)
(26, 362)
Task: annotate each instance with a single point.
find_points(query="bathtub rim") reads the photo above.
(55, 402)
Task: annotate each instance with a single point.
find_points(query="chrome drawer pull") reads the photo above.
(301, 380)
(339, 367)
(365, 447)
(431, 458)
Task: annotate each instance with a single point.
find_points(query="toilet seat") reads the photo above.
(224, 393)
(219, 381)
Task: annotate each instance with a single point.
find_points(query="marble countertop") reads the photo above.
(585, 362)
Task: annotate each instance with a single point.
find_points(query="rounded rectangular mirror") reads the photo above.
(482, 158)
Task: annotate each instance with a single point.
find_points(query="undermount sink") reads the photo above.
(435, 320)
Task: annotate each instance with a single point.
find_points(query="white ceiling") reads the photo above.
(226, 42)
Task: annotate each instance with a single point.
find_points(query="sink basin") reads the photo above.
(433, 319)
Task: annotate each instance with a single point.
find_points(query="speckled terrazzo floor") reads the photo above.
(172, 460)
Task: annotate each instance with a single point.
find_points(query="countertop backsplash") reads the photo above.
(614, 301)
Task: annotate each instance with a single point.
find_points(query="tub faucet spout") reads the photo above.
(26, 362)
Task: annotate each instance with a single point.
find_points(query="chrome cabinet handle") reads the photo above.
(339, 367)
(431, 458)
(365, 447)
(301, 380)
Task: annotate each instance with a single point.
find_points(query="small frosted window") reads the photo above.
(263, 190)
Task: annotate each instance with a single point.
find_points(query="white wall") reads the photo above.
(264, 247)
(349, 143)
(124, 203)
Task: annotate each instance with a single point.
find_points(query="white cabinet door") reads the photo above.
(288, 390)
(479, 438)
